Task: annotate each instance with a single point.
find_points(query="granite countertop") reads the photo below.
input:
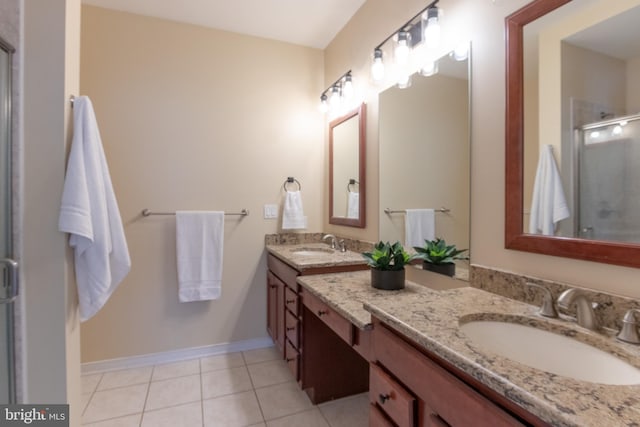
(346, 293)
(317, 255)
(431, 319)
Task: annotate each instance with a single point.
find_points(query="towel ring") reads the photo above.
(351, 182)
(291, 180)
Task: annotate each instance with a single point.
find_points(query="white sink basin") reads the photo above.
(313, 251)
(550, 352)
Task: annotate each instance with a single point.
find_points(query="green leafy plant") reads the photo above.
(438, 252)
(388, 257)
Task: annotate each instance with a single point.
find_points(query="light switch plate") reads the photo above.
(270, 211)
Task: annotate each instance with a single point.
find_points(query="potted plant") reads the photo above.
(439, 257)
(387, 263)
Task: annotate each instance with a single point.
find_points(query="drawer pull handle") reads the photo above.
(291, 360)
(291, 328)
(383, 398)
(273, 286)
(290, 301)
(322, 312)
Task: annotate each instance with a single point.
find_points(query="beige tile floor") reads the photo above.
(250, 388)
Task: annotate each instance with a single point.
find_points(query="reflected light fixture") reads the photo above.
(461, 52)
(429, 68)
(324, 105)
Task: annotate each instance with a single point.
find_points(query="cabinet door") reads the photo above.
(275, 310)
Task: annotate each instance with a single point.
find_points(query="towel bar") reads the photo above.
(392, 211)
(147, 212)
(351, 182)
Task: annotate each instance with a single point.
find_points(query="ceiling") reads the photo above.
(312, 23)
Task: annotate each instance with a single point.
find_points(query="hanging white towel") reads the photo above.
(292, 213)
(199, 248)
(548, 204)
(89, 212)
(353, 205)
(419, 225)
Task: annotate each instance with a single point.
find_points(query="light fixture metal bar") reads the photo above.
(403, 27)
(336, 82)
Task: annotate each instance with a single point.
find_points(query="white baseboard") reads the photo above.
(174, 355)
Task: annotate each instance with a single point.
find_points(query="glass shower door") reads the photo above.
(609, 193)
(8, 267)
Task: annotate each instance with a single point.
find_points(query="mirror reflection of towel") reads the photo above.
(419, 225)
(292, 213)
(353, 205)
(548, 204)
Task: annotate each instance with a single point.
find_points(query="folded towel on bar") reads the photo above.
(292, 213)
(353, 205)
(419, 225)
(548, 204)
(89, 213)
(199, 249)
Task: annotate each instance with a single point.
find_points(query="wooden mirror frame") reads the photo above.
(592, 250)
(361, 113)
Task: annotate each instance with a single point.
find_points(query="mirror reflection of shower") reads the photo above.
(608, 193)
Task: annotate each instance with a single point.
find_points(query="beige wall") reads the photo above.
(633, 86)
(194, 118)
(51, 331)
(485, 21)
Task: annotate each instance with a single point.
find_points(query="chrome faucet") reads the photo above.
(629, 331)
(548, 308)
(585, 316)
(334, 241)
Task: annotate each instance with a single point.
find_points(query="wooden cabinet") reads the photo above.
(413, 387)
(284, 312)
(275, 310)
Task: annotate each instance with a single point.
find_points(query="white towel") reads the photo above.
(353, 205)
(89, 212)
(548, 204)
(419, 225)
(292, 213)
(199, 247)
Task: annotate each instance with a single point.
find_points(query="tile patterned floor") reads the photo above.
(251, 388)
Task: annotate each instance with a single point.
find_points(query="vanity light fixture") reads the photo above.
(431, 25)
(424, 27)
(429, 68)
(377, 66)
(341, 89)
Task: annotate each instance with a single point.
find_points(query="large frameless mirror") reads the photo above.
(425, 153)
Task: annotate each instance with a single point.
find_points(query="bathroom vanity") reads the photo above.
(293, 316)
(411, 350)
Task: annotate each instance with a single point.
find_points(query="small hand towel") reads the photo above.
(199, 248)
(292, 213)
(419, 225)
(89, 212)
(548, 204)
(353, 205)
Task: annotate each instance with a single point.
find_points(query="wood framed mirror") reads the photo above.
(551, 111)
(347, 169)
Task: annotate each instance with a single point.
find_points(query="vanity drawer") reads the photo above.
(341, 326)
(291, 328)
(292, 357)
(283, 271)
(377, 418)
(291, 300)
(442, 392)
(391, 397)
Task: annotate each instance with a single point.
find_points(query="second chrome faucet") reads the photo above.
(585, 315)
